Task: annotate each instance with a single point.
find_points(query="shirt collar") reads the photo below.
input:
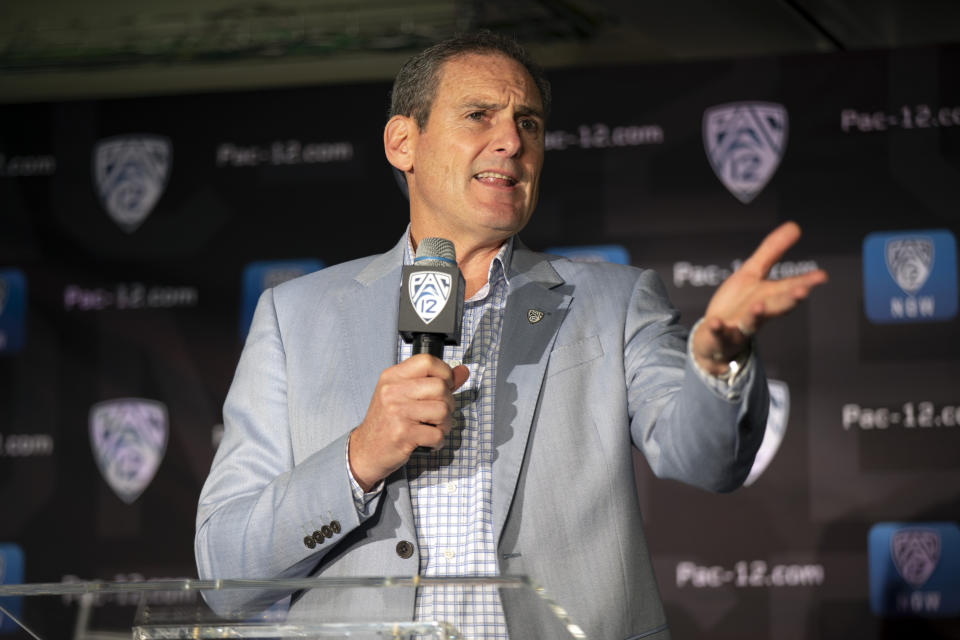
(498, 266)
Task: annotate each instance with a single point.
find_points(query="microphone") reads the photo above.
(431, 298)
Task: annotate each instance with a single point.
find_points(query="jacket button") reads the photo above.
(404, 549)
(335, 526)
(326, 531)
(309, 542)
(318, 537)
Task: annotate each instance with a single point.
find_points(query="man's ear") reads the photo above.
(399, 137)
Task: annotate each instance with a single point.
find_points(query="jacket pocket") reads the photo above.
(568, 356)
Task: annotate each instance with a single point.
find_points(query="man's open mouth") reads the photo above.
(497, 179)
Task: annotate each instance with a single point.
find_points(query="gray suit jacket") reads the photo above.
(605, 368)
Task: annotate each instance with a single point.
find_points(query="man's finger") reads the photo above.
(426, 388)
(460, 375)
(431, 412)
(783, 295)
(429, 436)
(785, 301)
(772, 249)
(424, 365)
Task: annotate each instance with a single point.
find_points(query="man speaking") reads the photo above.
(513, 454)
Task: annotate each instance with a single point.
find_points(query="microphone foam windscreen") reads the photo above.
(435, 252)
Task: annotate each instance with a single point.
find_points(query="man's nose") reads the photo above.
(506, 140)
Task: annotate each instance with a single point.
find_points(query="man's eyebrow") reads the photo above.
(526, 110)
(523, 110)
(480, 105)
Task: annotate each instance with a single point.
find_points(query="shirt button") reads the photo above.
(449, 555)
(451, 487)
(454, 363)
(404, 549)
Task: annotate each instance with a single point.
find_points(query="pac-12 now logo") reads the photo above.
(915, 569)
(429, 293)
(910, 276)
(129, 438)
(13, 303)
(130, 173)
(11, 572)
(745, 142)
(265, 274)
(594, 253)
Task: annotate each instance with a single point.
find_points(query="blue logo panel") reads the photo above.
(910, 276)
(914, 569)
(597, 253)
(11, 572)
(260, 276)
(13, 310)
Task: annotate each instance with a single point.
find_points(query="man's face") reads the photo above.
(476, 163)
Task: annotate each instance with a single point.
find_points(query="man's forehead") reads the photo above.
(478, 61)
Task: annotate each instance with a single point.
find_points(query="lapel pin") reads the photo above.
(534, 316)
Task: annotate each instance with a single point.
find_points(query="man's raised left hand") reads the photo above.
(747, 299)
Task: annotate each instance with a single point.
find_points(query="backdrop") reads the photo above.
(136, 234)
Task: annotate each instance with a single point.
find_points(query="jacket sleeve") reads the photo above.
(258, 506)
(687, 430)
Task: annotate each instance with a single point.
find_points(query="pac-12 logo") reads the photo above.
(11, 572)
(265, 274)
(429, 293)
(910, 276)
(745, 142)
(13, 302)
(129, 438)
(130, 173)
(915, 569)
(613, 253)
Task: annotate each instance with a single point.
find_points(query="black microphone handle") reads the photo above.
(431, 343)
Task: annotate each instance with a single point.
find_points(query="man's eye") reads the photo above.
(529, 125)
(476, 115)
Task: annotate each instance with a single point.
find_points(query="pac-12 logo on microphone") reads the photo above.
(429, 293)
(744, 142)
(129, 438)
(130, 174)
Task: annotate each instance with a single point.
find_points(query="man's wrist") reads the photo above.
(718, 366)
(366, 486)
(735, 366)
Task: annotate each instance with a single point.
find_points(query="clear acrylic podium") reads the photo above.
(166, 609)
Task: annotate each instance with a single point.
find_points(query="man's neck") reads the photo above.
(473, 259)
(475, 268)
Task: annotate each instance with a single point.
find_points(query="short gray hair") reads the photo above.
(415, 86)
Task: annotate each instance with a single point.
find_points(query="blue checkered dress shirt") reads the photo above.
(452, 489)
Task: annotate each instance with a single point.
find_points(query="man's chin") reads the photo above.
(506, 226)
(503, 216)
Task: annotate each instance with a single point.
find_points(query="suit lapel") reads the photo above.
(372, 305)
(536, 306)
(370, 310)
